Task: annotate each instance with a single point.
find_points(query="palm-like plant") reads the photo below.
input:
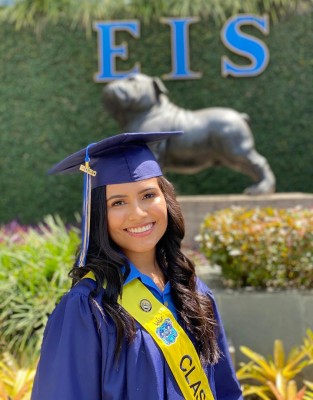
(15, 382)
(274, 378)
(33, 276)
(308, 345)
(36, 13)
(309, 394)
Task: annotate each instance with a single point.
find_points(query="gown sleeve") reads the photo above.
(70, 362)
(226, 384)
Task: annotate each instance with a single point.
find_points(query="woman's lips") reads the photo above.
(140, 230)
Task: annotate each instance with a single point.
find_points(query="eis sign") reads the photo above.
(233, 38)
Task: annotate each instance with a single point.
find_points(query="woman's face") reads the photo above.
(137, 216)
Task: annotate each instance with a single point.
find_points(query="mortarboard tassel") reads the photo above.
(88, 173)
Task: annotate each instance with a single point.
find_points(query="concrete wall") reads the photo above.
(256, 318)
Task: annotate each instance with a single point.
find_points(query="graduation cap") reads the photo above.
(117, 159)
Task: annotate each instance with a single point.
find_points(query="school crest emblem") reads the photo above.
(166, 332)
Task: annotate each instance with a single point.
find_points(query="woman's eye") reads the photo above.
(149, 196)
(117, 203)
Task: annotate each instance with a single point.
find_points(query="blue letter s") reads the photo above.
(245, 45)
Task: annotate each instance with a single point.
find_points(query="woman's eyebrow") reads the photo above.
(147, 189)
(117, 196)
(122, 196)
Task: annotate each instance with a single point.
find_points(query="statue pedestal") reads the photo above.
(195, 208)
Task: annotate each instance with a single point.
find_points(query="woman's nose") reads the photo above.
(137, 211)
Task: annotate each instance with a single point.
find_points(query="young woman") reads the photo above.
(137, 323)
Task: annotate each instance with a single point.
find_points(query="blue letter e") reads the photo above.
(245, 45)
(107, 51)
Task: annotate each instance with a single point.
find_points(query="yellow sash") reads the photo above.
(172, 340)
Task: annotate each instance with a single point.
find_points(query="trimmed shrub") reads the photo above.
(262, 247)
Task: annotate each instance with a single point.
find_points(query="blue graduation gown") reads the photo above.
(77, 358)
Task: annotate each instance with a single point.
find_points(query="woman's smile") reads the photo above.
(140, 231)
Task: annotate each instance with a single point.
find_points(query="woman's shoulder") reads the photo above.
(83, 288)
(80, 292)
(77, 302)
(203, 288)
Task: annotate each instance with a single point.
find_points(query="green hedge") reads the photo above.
(261, 247)
(51, 106)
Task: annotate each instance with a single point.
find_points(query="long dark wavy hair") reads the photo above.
(109, 265)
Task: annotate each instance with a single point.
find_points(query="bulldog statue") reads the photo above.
(212, 136)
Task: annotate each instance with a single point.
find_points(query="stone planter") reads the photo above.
(255, 318)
